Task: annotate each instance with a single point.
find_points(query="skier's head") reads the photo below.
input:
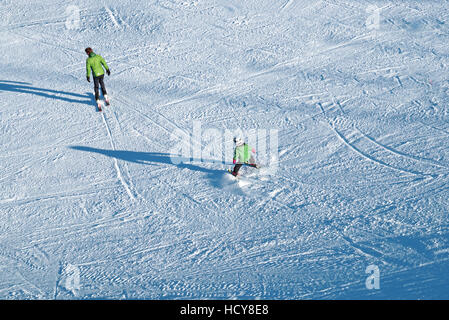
(88, 50)
(238, 141)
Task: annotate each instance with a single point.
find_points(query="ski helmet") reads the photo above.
(88, 50)
(238, 141)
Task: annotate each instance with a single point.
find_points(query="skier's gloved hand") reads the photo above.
(233, 161)
(253, 150)
(108, 72)
(88, 79)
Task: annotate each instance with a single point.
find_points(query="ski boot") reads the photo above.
(106, 100)
(99, 105)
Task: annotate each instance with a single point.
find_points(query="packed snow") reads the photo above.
(351, 96)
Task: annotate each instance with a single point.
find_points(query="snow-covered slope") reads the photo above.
(92, 204)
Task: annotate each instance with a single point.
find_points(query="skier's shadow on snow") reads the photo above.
(153, 158)
(25, 87)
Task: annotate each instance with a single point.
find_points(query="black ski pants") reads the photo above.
(98, 81)
(252, 163)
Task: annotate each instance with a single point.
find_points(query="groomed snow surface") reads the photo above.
(93, 206)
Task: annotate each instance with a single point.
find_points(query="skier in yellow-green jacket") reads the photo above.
(243, 154)
(95, 64)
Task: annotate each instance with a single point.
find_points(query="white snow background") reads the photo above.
(92, 205)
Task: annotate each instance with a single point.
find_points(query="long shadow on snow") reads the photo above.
(25, 87)
(153, 158)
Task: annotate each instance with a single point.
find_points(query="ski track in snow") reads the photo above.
(362, 171)
(116, 165)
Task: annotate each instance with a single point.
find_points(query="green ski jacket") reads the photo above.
(242, 153)
(95, 62)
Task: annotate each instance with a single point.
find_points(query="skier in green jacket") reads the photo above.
(96, 63)
(243, 154)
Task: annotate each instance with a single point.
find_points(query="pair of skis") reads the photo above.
(239, 176)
